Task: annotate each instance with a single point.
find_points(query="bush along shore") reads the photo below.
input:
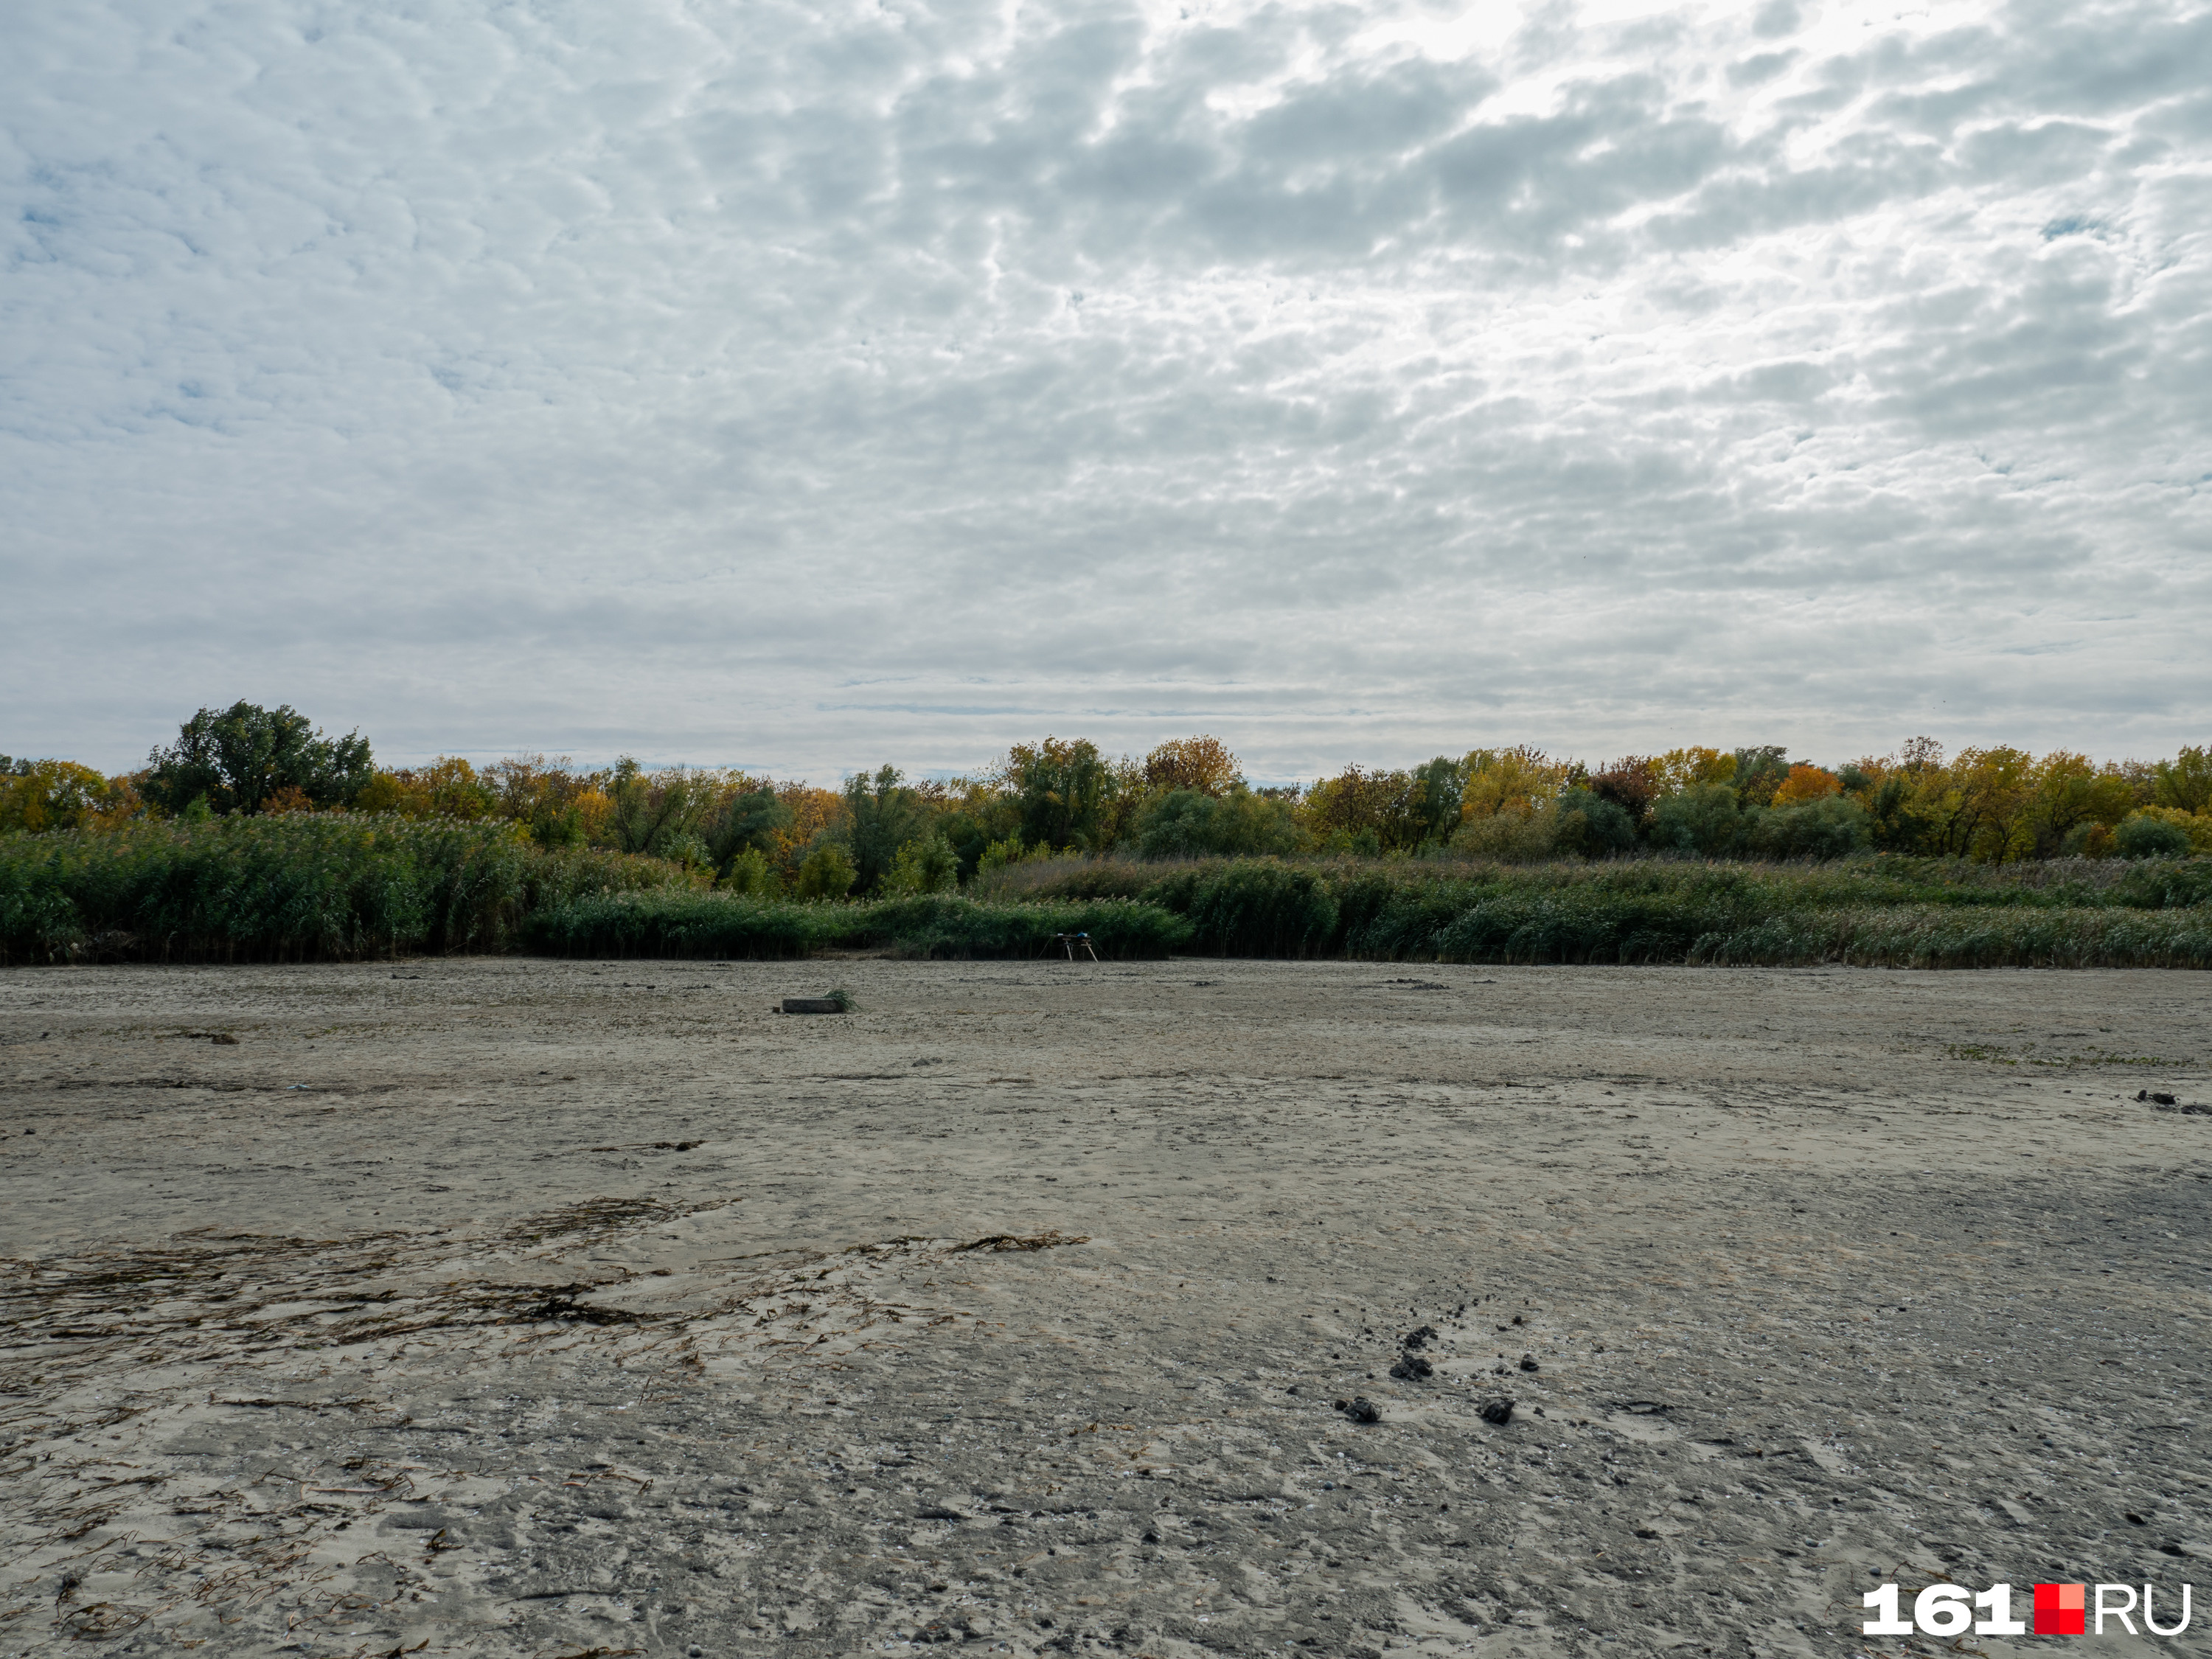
(340, 886)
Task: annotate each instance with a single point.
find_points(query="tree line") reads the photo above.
(885, 833)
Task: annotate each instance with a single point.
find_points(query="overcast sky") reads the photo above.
(805, 386)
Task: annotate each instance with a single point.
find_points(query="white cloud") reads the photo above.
(810, 385)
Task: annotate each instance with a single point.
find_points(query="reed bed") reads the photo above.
(325, 886)
(705, 924)
(1890, 912)
(340, 886)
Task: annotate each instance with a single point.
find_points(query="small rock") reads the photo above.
(1499, 1413)
(2156, 1098)
(2137, 1519)
(1419, 1339)
(1360, 1409)
(1528, 1362)
(1412, 1368)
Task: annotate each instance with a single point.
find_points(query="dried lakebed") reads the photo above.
(513, 1306)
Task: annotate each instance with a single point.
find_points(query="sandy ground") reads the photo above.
(514, 1307)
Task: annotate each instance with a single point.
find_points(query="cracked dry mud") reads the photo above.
(514, 1307)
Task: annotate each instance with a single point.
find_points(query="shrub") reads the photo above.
(2088, 841)
(1189, 824)
(750, 874)
(1703, 819)
(928, 865)
(2163, 885)
(1509, 837)
(998, 854)
(1591, 826)
(2141, 836)
(2197, 827)
(1177, 825)
(826, 873)
(1829, 827)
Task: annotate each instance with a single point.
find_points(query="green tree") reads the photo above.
(1367, 812)
(236, 758)
(976, 817)
(881, 815)
(2184, 782)
(1758, 772)
(57, 794)
(743, 823)
(656, 812)
(1202, 763)
(1063, 790)
(2069, 794)
(1433, 801)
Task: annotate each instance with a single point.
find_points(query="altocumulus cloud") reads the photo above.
(804, 385)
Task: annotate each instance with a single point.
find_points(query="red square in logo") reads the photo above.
(2061, 1609)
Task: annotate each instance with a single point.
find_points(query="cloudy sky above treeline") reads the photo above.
(805, 386)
